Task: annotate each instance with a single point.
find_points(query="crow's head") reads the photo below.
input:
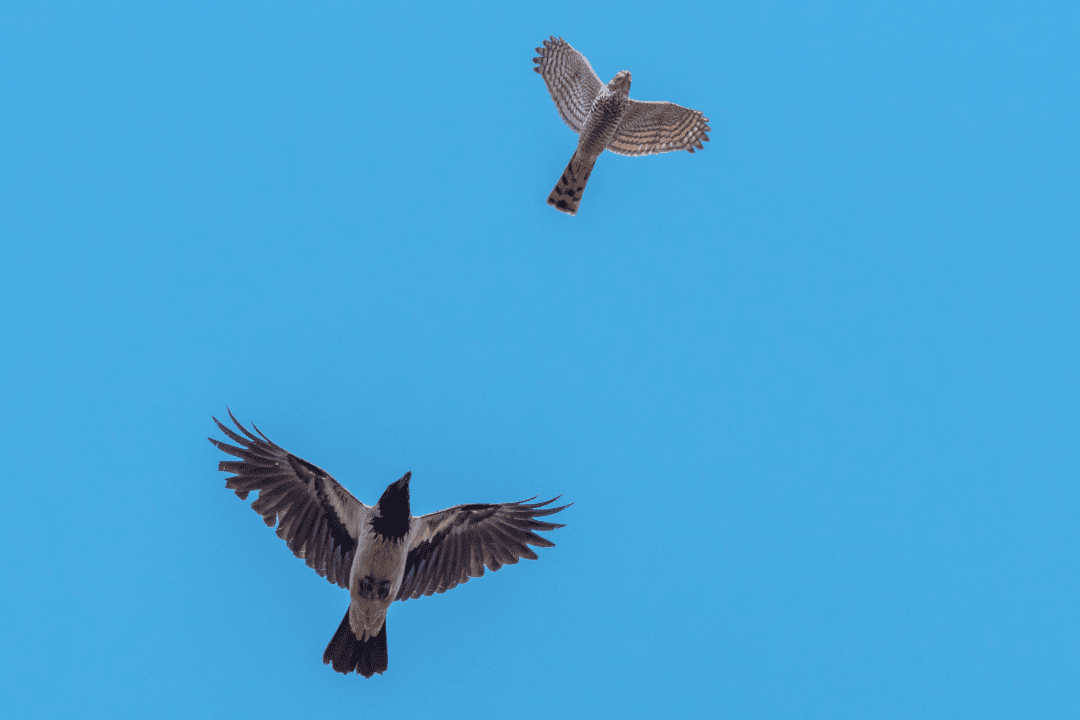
(391, 519)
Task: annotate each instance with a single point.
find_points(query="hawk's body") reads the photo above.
(607, 119)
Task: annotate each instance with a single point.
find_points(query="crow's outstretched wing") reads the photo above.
(448, 547)
(315, 515)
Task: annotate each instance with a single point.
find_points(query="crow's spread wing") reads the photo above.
(315, 516)
(448, 547)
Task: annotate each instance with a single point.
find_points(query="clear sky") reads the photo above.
(812, 391)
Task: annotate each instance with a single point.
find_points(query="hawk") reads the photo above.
(607, 119)
(379, 553)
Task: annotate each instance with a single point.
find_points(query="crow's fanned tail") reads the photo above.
(346, 652)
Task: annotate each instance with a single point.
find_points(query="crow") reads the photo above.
(378, 553)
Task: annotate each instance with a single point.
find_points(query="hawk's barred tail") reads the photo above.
(567, 193)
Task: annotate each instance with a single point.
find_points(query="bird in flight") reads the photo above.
(379, 553)
(606, 118)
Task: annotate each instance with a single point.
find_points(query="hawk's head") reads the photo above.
(620, 83)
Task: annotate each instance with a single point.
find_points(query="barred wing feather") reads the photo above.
(649, 128)
(570, 79)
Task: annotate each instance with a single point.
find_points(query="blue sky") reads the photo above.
(813, 391)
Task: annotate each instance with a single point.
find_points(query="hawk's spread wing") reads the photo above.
(570, 79)
(649, 128)
(315, 515)
(450, 546)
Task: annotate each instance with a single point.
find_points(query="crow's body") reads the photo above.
(380, 553)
